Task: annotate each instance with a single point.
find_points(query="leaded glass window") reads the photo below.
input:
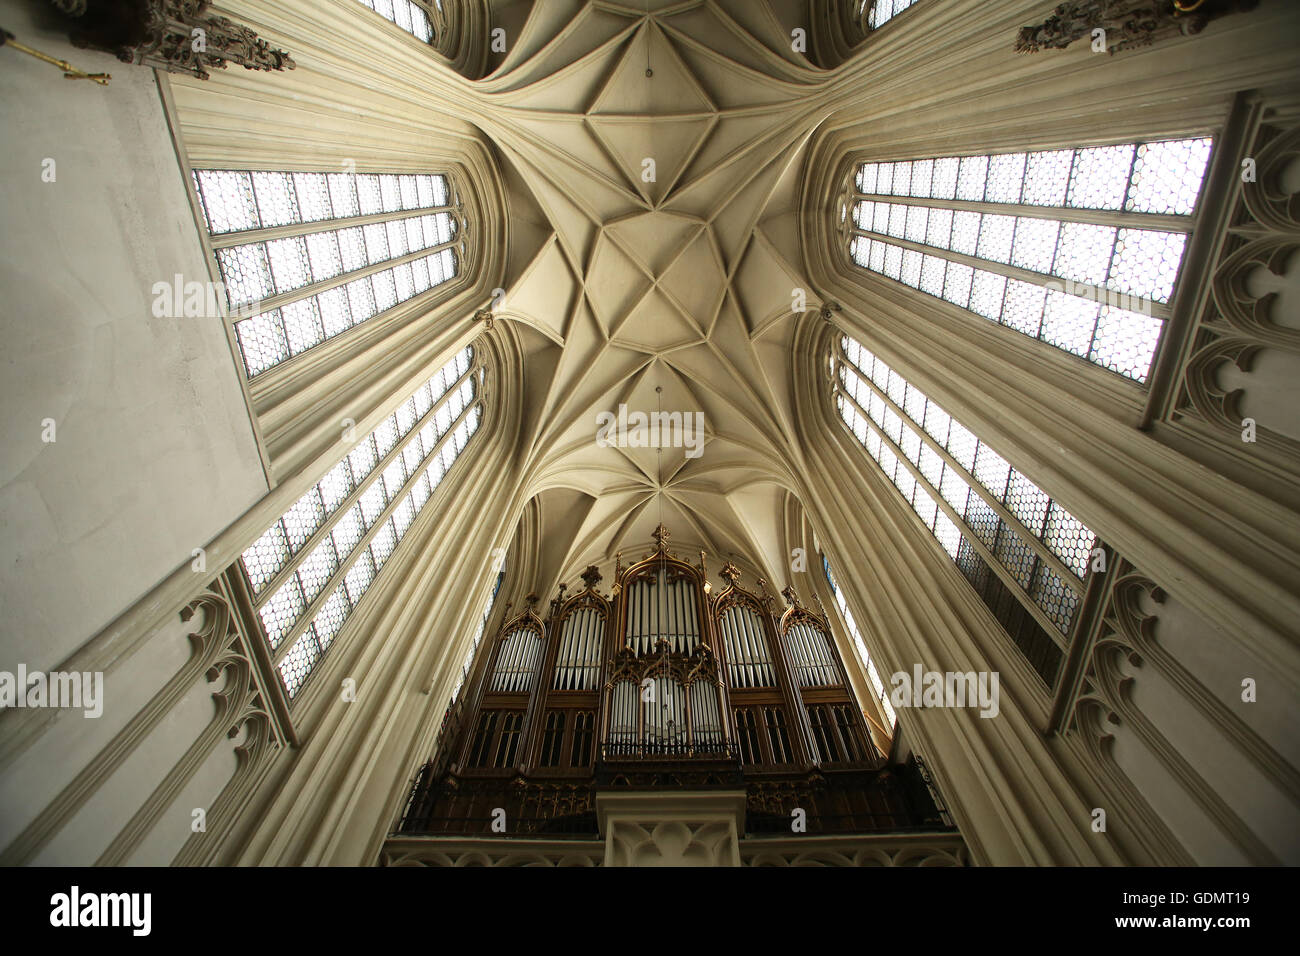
(309, 570)
(307, 256)
(1079, 248)
(879, 11)
(488, 604)
(409, 16)
(882, 694)
(1008, 536)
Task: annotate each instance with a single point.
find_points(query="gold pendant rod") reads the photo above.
(69, 71)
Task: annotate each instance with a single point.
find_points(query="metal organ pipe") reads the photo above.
(762, 654)
(521, 658)
(527, 655)
(678, 622)
(562, 655)
(823, 643)
(756, 644)
(737, 651)
(623, 727)
(810, 654)
(810, 649)
(729, 642)
(800, 655)
(514, 664)
(705, 720)
(752, 657)
(749, 663)
(578, 656)
(792, 646)
(594, 647)
(671, 630)
(503, 664)
(689, 601)
(687, 605)
(591, 660)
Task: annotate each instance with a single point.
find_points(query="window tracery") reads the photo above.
(309, 570)
(1016, 544)
(1079, 248)
(291, 283)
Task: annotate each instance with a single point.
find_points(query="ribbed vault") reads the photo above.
(655, 152)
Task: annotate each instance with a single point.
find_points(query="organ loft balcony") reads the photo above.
(663, 688)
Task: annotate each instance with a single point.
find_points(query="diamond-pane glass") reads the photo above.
(937, 491)
(1098, 261)
(259, 268)
(314, 550)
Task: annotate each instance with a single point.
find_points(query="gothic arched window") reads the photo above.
(308, 570)
(488, 604)
(410, 16)
(1079, 248)
(881, 693)
(876, 12)
(1025, 554)
(853, 20)
(291, 282)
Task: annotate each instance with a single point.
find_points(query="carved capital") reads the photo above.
(1128, 24)
(179, 36)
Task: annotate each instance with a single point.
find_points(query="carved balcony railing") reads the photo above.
(613, 750)
(894, 799)
(489, 808)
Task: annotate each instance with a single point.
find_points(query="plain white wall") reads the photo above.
(155, 453)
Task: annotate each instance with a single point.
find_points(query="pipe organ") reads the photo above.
(661, 605)
(517, 659)
(748, 662)
(581, 643)
(660, 683)
(808, 646)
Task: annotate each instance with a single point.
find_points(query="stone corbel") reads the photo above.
(1127, 24)
(178, 36)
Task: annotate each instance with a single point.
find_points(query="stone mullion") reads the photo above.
(309, 612)
(954, 629)
(1098, 293)
(1060, 421)
(262, 594)
(1033, 540)
(1086, 630)
(1224, 326)
(1100, 452)
(207, 642)
(1206, 703)
(994, 564)
(854, 666)
(343, 278)
(1107, 687)
(1100, 217)
(240, 703)
(315, 813)
(225, 240)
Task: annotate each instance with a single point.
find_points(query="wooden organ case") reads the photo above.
(662, 684)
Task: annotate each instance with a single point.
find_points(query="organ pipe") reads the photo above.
(577, 662)
(516, 661)
(749, 664)
(810, 653)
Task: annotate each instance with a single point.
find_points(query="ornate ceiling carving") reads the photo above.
(662, 145)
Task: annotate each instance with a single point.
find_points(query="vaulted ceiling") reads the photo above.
(625, 279)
